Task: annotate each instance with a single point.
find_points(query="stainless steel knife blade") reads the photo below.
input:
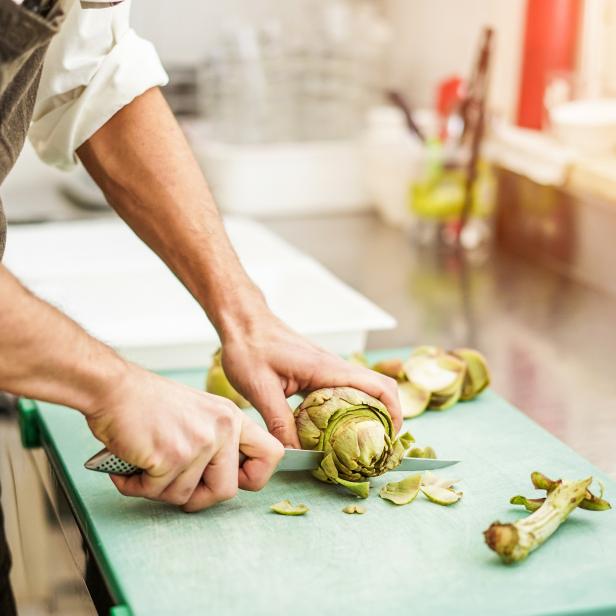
(294, 460)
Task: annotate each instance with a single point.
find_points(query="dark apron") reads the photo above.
(24, 38)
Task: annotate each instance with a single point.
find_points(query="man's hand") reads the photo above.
(143, 164)
(270, 362)
(187, 441)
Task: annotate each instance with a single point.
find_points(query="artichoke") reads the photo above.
(442, 375)
(217, 383)
(356, 433)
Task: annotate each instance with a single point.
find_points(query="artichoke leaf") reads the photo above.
(477, 376)
(430, 479)
(392, 368)
(422, 452)
(413, 399)
(440, 495)
(402, 492)
(285, 507)
(361, 489)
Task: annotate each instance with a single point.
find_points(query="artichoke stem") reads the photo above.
(514, 542)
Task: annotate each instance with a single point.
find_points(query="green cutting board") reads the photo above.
(239, 558)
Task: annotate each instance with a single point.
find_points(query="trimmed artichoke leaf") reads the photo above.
(402, 492)
(433, 370)
(413, 399)
(477, 376)
(430, 479)
(390, 367)
(440, 495)
(361, 489)
(422, 452)
(590, 502)
(284, 507)
(354, 509)
(442, 403)
(530, 504)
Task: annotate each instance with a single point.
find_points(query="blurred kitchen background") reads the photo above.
(417, 171)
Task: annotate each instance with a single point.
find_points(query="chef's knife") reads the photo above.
(294, 460)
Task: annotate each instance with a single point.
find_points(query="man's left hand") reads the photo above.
(271, 362)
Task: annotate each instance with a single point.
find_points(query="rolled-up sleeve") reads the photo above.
(95, 66)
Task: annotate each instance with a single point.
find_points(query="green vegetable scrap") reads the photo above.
(591, 502)
(354, 509)
(390, 367)
(435, 371)
(356, 433)
(514, 542)
(440, 490)
(285, 507)
(422, 452)
(402, 492)
(477, 375)
(434, 378)
(217, 383)
(413, 399)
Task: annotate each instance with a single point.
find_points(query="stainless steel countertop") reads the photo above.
(551, 342)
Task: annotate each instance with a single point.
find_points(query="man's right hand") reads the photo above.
(187, 441)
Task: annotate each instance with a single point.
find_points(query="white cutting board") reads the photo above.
(105, 278)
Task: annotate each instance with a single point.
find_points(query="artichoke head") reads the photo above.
(218, 384)
(356, 433)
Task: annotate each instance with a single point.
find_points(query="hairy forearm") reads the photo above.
(45, 355)
(148, 173)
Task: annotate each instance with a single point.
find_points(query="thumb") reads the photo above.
(269, 399)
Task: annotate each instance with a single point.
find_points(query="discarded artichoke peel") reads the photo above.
(421, 452)
(284, 507)
(515, 541)
(435, 371)
(477, 375)
(590, 502)
(402, 492)
(440, 490)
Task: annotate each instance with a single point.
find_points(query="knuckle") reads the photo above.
(179, 455)
(226, 492)
(276, 425)
(225, 424)
(179, 497)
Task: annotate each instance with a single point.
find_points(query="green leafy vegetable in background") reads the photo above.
(217, 383)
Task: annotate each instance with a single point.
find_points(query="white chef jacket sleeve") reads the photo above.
(95, 66)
